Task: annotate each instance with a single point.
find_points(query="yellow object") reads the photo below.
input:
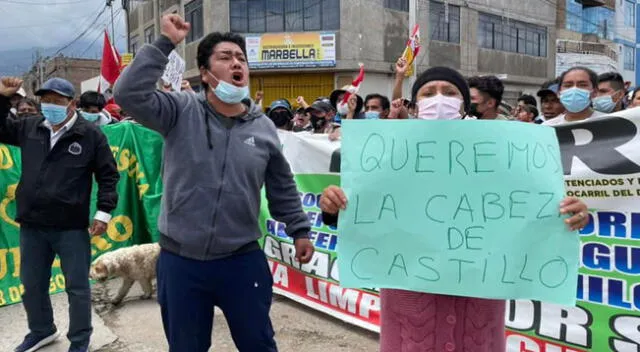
(408, 56)
(291, 50)
(290, 86)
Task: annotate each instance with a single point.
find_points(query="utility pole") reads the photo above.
(113, 28)
(40, 70)
(125, 7)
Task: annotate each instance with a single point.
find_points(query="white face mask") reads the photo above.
(439, 107)
(343, 108)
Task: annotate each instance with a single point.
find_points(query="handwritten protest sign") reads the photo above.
(467, 208)
(174, 71)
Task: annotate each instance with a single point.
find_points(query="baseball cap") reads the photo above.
(58, 85)
(320, 106)
(280, 103)
(549, 87)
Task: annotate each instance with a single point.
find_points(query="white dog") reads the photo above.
(135, 263)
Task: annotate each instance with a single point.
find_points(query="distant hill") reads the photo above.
(17, 62)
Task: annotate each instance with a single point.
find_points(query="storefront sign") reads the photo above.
(291, 50)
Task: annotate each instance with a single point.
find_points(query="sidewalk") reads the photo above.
(136, 326)
(14, 327)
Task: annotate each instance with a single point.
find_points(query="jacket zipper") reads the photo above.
(224, 167)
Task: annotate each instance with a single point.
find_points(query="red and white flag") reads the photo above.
(109, 69)
(355, 85)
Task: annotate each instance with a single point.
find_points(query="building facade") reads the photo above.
(599, 34)
(310, 47)
(625, 38)
(74, 70)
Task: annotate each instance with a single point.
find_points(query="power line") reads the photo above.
(100, 34)
(83, 32)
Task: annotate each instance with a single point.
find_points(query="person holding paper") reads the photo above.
(220, 149)
(578, 86)
(416, 321)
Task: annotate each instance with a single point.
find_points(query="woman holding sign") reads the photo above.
(416, 321)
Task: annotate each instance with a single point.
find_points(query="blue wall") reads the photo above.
(637, 42)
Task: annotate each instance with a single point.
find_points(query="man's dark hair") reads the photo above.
(384, 101)
(593, 77)
(208, 44)
(29, 101)
(528, 100)
(490, 85)
(615, 79)
(92, 98)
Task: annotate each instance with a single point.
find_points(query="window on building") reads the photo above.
(574, 16)
(149, 35)
(444, 25)
(629, 13)
(193, 15)
(133, 43)
(501, 33)
(599, 20)
(399, 5)
(261, 16)
(629, 58)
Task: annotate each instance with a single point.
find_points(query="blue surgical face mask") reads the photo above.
(91, 116)
(229, 93)
(604, 104)
(372, 115)
(575, 99)
(53, 113)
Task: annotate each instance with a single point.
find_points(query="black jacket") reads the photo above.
(55, 185)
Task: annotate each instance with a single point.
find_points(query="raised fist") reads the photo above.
(9, 86)
(185, 85)
(174, 27)
(401, 66)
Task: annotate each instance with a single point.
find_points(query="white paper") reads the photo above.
(174, 71)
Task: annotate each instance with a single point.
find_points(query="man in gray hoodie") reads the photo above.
(220, 149)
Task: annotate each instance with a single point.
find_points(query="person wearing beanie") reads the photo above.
(441, 93)
(418, 321)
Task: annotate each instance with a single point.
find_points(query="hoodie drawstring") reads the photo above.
(206, 122)
(207, 116)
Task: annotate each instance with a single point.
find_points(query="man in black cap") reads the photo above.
(61, 154)
(549, 101)
(322, 115)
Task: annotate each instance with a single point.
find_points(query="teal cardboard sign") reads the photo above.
(466, 208)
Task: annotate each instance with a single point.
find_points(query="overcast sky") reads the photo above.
(52, 24)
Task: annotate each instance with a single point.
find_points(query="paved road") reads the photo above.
(135, 326)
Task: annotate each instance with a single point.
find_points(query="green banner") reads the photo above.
(138, 154)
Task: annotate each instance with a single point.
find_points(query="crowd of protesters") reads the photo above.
(577, 94)
(219, 152)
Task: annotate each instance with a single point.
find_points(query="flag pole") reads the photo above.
(413, 8)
